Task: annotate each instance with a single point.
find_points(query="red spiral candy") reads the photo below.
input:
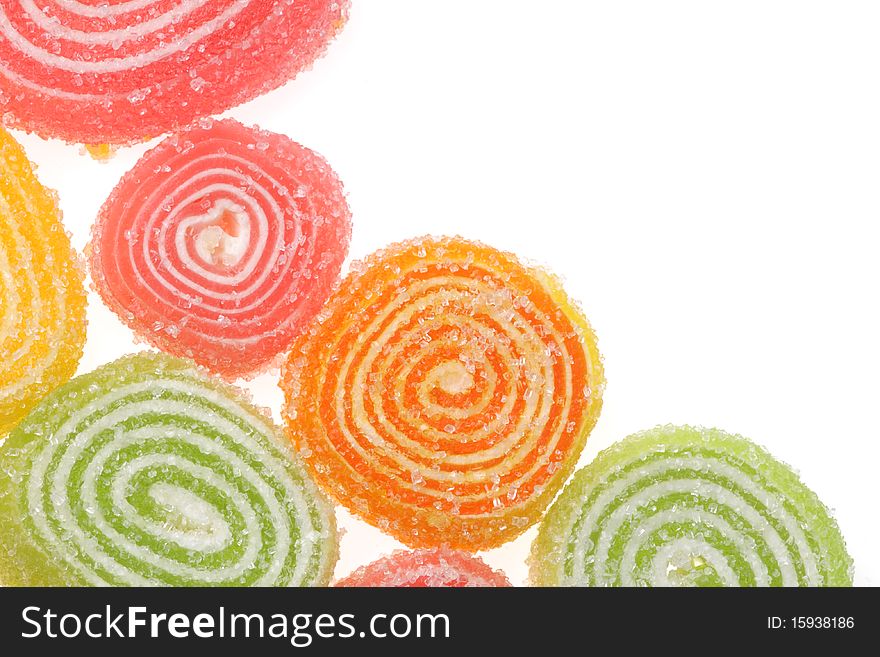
(115, 72)
(438, 567)
(221, 243)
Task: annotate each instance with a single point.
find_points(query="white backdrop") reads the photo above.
(704, 175)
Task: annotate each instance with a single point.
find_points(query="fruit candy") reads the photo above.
(116, 72)
(220, 244)
(426, 568)
(42, 297)
(147, 472)
(445, 392)
(681, 506)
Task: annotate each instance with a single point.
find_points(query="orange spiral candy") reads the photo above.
(445, 392)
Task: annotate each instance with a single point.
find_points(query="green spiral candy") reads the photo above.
(147, 472)
(680, 506)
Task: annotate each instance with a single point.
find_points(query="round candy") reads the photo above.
(147, 472)
(426, 568)
(116, 72)
(42, 297)
(220, 244)
(679, 506)
(445, 393)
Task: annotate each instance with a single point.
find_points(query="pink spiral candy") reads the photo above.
(116, 71)
(220, 244)
(437, 567)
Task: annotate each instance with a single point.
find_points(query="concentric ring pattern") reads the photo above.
(42, 297)
(147, 472)
(680, 506)
(95, 71)
(445, 392)
(221, 243)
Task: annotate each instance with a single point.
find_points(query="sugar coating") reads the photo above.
(42, 296)
(149, 472)
(116, 72)
(437, 567)
(220, 244)
(445, 392)
(685, 506)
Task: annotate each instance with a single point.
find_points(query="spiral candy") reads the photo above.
(445, 392)
(99, 72)
(42, 297)
(147, 472)
(221, 243)
(437, 567)
(679, 506)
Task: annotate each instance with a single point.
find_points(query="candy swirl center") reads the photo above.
(169, 482)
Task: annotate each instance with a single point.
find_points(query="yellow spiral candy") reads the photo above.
(42, 297)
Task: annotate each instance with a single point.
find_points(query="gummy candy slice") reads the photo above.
(437, 567)
(445, 392)
(116, 72)
(148, 472)
(220, 244)
(683, 506)
(42, 296)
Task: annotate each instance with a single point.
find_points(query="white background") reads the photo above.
(704, 175)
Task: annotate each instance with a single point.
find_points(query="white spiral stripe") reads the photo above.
(53, 27)
(497, 426)
(245, 296)
(52, 92)
(690, 546)
(535, 413)
(194, 258)
(180, 243)
(11, 296)
(657, 468)
(160, 221)
(143, 554)
(745, 545)
(73, 446)
(704, 489)
(401, 313)
(216, 534)
(118, 64)
(436, 378)
(54, 339)
(105, 9)
(478, 333)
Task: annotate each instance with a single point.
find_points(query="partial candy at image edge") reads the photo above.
(144, 86)
(42, 291)
(709, 508)
(437, 567)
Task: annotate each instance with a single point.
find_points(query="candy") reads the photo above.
(426, 568)
(220, 244)
(42, 297)
(116, 72)
(679, 506)
(445, 392)
(147, 472)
